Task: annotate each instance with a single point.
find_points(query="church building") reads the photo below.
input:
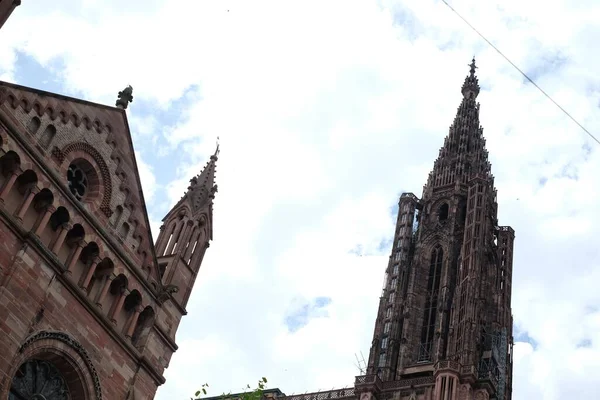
(444, 325)
(89, 305)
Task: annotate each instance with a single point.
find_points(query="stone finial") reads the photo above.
(472, 67)
(125, 97)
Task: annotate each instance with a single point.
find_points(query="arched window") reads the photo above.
(34, 125)
(47, 136)
(431, 299)
(443, 212)
(82, 179)
(78, 181)
(37, 379)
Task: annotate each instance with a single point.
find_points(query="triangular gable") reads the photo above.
(102, 131)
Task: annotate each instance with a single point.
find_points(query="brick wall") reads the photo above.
(60, 301)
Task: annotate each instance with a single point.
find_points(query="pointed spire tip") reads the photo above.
(472, 67)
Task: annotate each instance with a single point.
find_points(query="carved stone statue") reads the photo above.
(125, 97)
(166, 292)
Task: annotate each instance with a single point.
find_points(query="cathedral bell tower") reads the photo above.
(444, 326)
(186, 233)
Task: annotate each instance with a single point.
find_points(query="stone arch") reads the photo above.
(43, 199)
(47, 136)
(24, 103)
(117, 215)
(9, 163)
(33, 125)
(132, 300)
(119, 283)
(89, 252)
(37, 107)
(51, 112)
(443, 212)
(59, 217)
(63, 116)
(124, 230)
(75, 119)
(69, 358)
(75, 234)
(26, 181)
(142, 329)
(88, 152)
(103, 271)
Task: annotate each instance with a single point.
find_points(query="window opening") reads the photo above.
(38, 379)
(430, 311)
(78, 181)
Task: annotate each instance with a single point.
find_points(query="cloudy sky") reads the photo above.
(327, 110)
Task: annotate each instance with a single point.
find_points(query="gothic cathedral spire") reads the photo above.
(444, 326)
(186, 233)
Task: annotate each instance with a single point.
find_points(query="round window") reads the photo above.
(78, 181)
(38, 380)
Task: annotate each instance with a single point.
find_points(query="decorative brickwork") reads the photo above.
(81, 297)
(51, 340)
(61, 155)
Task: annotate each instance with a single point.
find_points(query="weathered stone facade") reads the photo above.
(86, 303)
(444, 325)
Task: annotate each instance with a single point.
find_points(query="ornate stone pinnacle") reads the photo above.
(124, 98)
(472, 66)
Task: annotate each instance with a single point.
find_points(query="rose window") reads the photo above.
(38, 380)
(78, 181)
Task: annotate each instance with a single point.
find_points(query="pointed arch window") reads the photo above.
(431, 299)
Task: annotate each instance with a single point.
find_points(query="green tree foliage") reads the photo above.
(247, 394)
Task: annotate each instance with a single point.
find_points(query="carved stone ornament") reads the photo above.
(463, 392)
(366, 396)
(166, 292)
(73, 344)
(125, 97)
(482, 395)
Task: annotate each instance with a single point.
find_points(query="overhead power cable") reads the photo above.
(522, 73)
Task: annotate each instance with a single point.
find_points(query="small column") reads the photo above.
(102, 294)
(117, 306)
(61, 238)
(163, 237)
(133, 321)
(8, 186)
(195, 234)
(75, 256)
(26, 203)
(90, 273)
(186, 232)
(44, 221)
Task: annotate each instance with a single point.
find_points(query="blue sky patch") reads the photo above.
(524, 337)
(306, 311)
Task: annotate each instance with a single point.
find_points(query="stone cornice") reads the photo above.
(32, 240)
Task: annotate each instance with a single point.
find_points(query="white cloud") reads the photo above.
(147, 177)
(326, 111)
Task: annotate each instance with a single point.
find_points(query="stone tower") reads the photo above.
(186, 234)
(89, 306)
(444, 325)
